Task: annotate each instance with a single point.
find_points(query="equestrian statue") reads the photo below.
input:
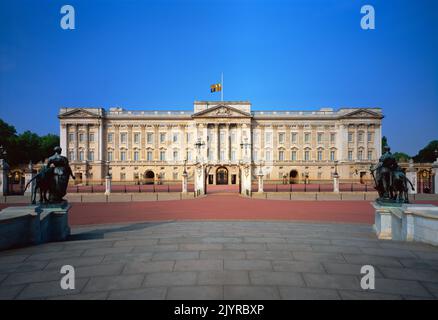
(390, 181)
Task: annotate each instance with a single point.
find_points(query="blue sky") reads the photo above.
(297, 54)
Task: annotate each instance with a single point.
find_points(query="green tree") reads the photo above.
(384, 143)
(401, 156)
(427, 154)
(47, 144)
(7, 135)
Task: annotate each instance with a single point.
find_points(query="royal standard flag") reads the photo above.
(216, 87)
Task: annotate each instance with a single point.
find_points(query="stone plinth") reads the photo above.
(260, 177)
(336, 183)
(200, 180)
(411, 174)
(4, 169)
(408, 222)
(31, 225)
(107, 185)
(184, 183)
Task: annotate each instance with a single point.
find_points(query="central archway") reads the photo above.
(222, 175)
(293, 176)
(149, 176)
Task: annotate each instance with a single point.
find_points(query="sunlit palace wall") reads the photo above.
(152, 146)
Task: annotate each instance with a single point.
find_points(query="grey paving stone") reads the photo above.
(199, 265)
(158, 293)
(106, 251)
(247, 264)
(307, 240)
(169, 279)
(347, 268)
(200, 246)
(298, 266)
(155, 248)
(251, 293)
(54, 255)
(2, 277)
(331, 281)
(263, 240)
(148, 267)
(300, 293)
(396, 253)
(269, 254)
(432, 287)
(33, 276)
(43, 290)
(10, 292)
(176, 255)
(245, 246)
(222, 254)
(108, 283)
(83, 244)
(103, 295)
(222, 240)
(75, 262)
(180, 240)
(401, 287)
(367, 295)
(419, 263)
(127, 257)
(361, 243)
(99, 270)
(13, 258)
(226, 277)
(410, 274)
(427, 255)
(195, 293)
(318, 256)
(276, 278)
(372, 260)
(135, 243)
(335, 249)
(289, 246)
(23, 266)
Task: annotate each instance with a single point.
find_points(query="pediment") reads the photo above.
(221, 111)
(79, 113)
(363, 113)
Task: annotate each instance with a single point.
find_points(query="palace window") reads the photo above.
(71, 137)
(189, 155)
(71, 155)
(110, 137)
(162, 155)
(307, 155)
(222, 137)
(281, 155)
(332, 155)
(332, 137)
(81, 137)
(350, 155)
(268, 138)
(150, 138)
(360, 136)
(293, 155)
(320, 137)
(175, 137)
(81, 155)
(175, 176)
(123, 137)
(369, 137)
(122, 176)
(307, 137)
(175, 155)
(110, 156)
(319, 155)
(222, 155)
(91, 137)
(136, 137)
(189, 137)
(233, 155)
(136, 176)
(254, 155)
(233, 137)
(136, 156)
(281, 137)
(294, 137)
(360, 154)
(162, 137)
(370, 155)
(350, 137)
(268, 155)
(149, 156)
(91, 155)
(123, 155)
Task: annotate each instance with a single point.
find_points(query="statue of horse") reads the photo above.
(399, 187)
(43, 180)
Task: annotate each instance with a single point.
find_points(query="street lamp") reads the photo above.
(198, 145)
(336, 169)
(245, 145)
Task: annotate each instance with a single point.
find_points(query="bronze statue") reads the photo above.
(390, 181)
(52, 178)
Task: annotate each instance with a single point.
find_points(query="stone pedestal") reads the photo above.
(29, 174)
(435, 174)
(107, 185)
(4, 170)
(200, 180)
(246, 180)
(411, 174)
(260, 178)
(184, 183)
(336, 183)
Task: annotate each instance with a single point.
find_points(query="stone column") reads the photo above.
(4, 169)
(260, 176)
(184, 182)
(129, 155)
(227, 143)
(87, 145)
(218, 142)
(116, 142)
(246, 179)
(156, 153)
(29, 173)
(108, 185)
(76, 137)
(143, 142)
(435, 173)
(336, 182)
(101, 141)
(63, 138)
(411, 174)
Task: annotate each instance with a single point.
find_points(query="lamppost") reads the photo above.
(336, 178)
(198, 145)
(244, 145)
(246, 176)
(200, 183)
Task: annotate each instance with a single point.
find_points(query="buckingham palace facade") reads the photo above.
(152, 146)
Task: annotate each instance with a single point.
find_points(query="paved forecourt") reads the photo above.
(221, 260)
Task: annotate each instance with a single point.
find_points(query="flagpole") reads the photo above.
(222, 86)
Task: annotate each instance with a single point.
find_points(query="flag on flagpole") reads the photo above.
(216, 87)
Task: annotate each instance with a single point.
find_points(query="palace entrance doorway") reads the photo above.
(222, 175)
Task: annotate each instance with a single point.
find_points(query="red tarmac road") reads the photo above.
(223, 207)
